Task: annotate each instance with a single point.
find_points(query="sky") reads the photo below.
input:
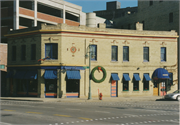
(96, 5)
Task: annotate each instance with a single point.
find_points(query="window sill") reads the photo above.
(145, 61)
(146, 90)
(125, 90)
(163, 61)
(135, 90)
(125, 61)
(114, 61)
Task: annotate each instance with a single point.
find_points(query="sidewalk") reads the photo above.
(104, 99)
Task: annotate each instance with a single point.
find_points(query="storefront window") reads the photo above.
(33, 85)
(51, 85)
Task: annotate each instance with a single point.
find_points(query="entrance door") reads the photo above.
(72, 88)
(51, 88)
(113, 88)
(156, 89)
(162, 89)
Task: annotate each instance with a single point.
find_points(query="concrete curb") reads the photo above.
(105, 99)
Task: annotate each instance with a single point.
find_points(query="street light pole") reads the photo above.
(89, 96)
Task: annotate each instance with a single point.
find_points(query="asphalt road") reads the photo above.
(115, 113)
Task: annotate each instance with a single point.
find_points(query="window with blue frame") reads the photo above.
(114, 53)
(93, 52)
(51, 50)
(13, 53)
(146, 54)
(33, 52)
(125, 53)
(163, 54)
(23, 52)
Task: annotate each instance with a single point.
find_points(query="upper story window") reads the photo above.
(114, 53)
(93, 52)
(23, 52)
(51, 50)
(163, 54)
(125, 53)
(170, 17)
(146, 54)
(150, 2)
(13, 53)
(33, 52)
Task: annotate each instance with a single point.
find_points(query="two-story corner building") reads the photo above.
(51, 61)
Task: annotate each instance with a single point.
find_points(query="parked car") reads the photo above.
(175, 95)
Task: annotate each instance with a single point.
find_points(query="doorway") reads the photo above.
(113, 88)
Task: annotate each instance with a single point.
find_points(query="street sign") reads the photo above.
(86, 67)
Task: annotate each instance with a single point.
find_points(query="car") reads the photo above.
(174, 96)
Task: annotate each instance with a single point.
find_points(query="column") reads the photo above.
(16, 14)
(81, 84)
(41, 83)
(58, 83)
(64, 14)
(34, 8)
(62, 87)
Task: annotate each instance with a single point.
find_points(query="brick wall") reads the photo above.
(26, 12)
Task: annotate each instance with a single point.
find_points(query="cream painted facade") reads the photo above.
(69, 37)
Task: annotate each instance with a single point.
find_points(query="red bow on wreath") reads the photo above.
(99, 69)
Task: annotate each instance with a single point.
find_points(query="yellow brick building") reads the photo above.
(51, 61)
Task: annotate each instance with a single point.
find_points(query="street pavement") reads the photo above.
(115, 111)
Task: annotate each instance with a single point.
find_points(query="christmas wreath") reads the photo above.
(99, 68)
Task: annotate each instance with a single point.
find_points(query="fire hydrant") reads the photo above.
(100, 96)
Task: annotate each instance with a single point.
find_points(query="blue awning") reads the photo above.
(19, 74)
(126, 77)
(31, 75)
(115, 76)
(73, 75)
(50, 74)
(146, 77)
(160, 73)
(136, 77)
(10, 74)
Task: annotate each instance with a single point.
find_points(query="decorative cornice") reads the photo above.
(86, 32)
